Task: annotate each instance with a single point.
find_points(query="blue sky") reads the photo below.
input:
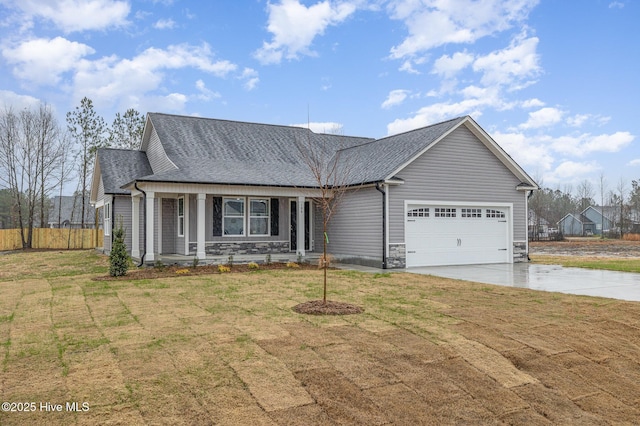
(554, 82)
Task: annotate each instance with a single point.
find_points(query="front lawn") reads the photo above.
(228, 349)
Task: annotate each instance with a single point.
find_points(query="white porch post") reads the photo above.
(159, 225)
(150, 255)
(200, 253)
(301, 226)
(186, 224)
(135, 227)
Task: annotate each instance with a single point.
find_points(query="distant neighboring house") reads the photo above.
(66, 212)
(538, 227)
(445, 194)
(588, 222)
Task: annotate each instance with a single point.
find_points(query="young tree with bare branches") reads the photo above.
(331, 174)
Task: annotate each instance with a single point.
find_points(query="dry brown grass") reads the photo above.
(228, 349)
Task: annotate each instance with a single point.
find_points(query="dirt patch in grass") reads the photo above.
(228, 349)
(330, 307)
(586, 247)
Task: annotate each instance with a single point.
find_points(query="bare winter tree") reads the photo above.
(30, 151)
(585, 194)
(87, 129)
(331, 175)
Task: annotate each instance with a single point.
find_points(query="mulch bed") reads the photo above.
(148, 272)
(319, 307)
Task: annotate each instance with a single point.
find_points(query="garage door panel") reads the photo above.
(454, 235)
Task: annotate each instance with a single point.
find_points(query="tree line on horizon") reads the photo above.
(39, 156)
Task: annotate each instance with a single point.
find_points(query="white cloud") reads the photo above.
(322, 127)
(42, 61)
(111, 79)
(16, 101)
(586, 144)
(616, 4)
(251, 78)
(165, 24)
(514, 66)
(571, 170)
(76, 15)
(205, 93)
(396, 97)
(532, 103)
(432, 24)
(544, 117)
(635, 162)
(447, 66)
(435, 113)
(294, 26)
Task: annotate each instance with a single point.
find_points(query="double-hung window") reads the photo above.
(233, 216)
(181, 217)
(258, 216)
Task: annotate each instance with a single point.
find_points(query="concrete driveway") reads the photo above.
(616, 285)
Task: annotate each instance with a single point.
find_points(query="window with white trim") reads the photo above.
(471, 213)
(259, 216)
(495, 214)
(418, 212)
(181, 217)
(445, 212)
(107, 219)
(233, 216)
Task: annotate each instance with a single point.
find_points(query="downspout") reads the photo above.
(535, 230)
(144, 206)
(384, 222)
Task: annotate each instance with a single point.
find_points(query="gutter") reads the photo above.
(144, 248)
(384, 222)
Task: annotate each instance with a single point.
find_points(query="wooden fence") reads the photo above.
(51, 238)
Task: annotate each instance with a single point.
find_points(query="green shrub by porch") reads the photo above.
(118, 258)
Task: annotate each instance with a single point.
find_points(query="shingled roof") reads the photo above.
(120, 166)
(206, 150)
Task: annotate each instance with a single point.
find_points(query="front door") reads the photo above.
(293, 227)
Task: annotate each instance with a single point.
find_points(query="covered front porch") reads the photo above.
(177, 223)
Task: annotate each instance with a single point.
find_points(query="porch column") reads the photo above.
(159, 225)
(150, 255)
(135, 227)
(301, 226)
(186, 224)
(200, 253)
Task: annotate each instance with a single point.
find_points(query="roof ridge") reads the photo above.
(404, 133)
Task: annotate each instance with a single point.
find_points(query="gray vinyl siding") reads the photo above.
(356, 226)
(458, 168)
(157, 156)
(100, 195)
(169, 226)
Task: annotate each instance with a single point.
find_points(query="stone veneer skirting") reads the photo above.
(397, 258)
(520, 252)
(240, 248)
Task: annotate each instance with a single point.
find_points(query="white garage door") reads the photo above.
(456, 235)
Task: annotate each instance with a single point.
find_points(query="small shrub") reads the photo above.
(223, 269)
(267, 259)
(118, 258)
(230, 260)
(253, 266)
(158, 264)
(292, 265)
(195, 262)
(325, 261)
(299, 258)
